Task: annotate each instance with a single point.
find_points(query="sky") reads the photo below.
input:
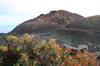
(14, 12)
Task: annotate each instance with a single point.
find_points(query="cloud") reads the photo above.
(13, 20)
(12, 7)
(14, 12)
(29, 7)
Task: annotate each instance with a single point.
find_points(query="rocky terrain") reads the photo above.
(68, 28)
(88, 32)
(88, 24)
(47, 22)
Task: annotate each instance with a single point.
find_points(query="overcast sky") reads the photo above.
(14, 12)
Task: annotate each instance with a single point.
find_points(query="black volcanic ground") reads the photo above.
(68, 28)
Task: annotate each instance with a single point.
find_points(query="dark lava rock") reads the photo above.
(75, 49)
(68, 28)
(87, 24)
(3, 38)
(88, 32)
(98, 57)
(47, 22)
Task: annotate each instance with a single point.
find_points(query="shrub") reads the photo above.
(26, 51)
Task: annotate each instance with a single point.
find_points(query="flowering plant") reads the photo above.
(28, 51)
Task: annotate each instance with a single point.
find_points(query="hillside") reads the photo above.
(89, 23)
(53, 20)
(68, 28)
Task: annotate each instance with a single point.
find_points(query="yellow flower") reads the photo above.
(4, 48)
(53, 40)
(43, 42)
(24, 56)
(11, 38)
(26, 35)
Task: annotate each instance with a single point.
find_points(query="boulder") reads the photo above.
(83, 47)
(75, 49)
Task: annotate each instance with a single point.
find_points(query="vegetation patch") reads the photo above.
(27, 51)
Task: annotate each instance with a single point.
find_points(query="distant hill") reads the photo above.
(68, 28)
(46, 21)
(89, 23)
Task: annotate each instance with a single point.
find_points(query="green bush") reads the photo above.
(27, 51)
